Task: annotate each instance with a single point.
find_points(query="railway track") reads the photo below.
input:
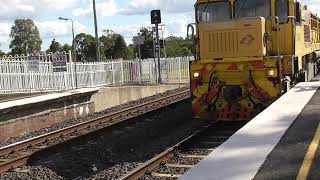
(177, 160)
(20, 153)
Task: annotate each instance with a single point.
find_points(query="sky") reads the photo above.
(122, 16)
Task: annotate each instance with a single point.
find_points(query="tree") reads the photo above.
(107, 45)
(85, 47)
(177, 46)
(113, 45)
(147, 47)
(120, 48)
(25, 37)
(2, 53)
(66, 48)
(131, 52)
(55, 47)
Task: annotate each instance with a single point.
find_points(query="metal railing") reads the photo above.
(17, 77)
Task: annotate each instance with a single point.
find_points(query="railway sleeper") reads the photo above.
(179, 165)
(161, 175)
(21, 170)
(192, 156)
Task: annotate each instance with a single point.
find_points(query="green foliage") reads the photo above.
(120, 48)
(177, 46)
(147, 47)
(2, 53)
(131, 52)
(85, 47)
(107, 42)
(54, 47)
(25, 37)
(67, 47)
(112, 45)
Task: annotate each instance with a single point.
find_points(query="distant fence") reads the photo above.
(22, 74)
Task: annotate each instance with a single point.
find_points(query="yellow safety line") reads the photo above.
(308, 159)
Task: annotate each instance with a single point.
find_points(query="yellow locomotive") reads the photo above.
(248, 53)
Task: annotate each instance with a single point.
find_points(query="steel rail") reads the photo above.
(162, 157)
(126, 114)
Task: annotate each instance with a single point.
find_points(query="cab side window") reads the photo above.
(283, 10)
(298, 12)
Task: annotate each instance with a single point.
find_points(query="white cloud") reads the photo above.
(177, 26)
(52, 29)
(58, 4)
(11, 9)
(127, 31)
(104, 8)
(178, 12)
(135, 7)
(4, 35)
(48, 30)
(25, 8)
(313, 5)
(59, 30)
(169, 6)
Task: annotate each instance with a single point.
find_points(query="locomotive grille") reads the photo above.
(223, 42)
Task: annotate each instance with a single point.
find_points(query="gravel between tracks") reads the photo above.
(114, 151)
(71, 122)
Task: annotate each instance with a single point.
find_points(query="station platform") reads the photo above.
(12, 97)
(280, 143)
(26, 115)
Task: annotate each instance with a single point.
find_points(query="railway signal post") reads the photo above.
(156, 20)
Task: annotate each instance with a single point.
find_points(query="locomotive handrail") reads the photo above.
(278, 49)
(190, 26)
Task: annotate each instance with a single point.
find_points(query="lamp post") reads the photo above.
(74, 57)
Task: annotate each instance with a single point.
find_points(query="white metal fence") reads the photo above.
(16, 76)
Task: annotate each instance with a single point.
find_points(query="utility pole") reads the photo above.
(96, 31)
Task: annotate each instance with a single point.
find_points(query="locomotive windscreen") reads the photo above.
(252, 8)
(214, 12)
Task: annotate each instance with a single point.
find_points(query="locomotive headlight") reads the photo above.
(272, 72)
(196, 75)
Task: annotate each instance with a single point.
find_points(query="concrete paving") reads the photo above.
(286, 159)
(245, 152)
